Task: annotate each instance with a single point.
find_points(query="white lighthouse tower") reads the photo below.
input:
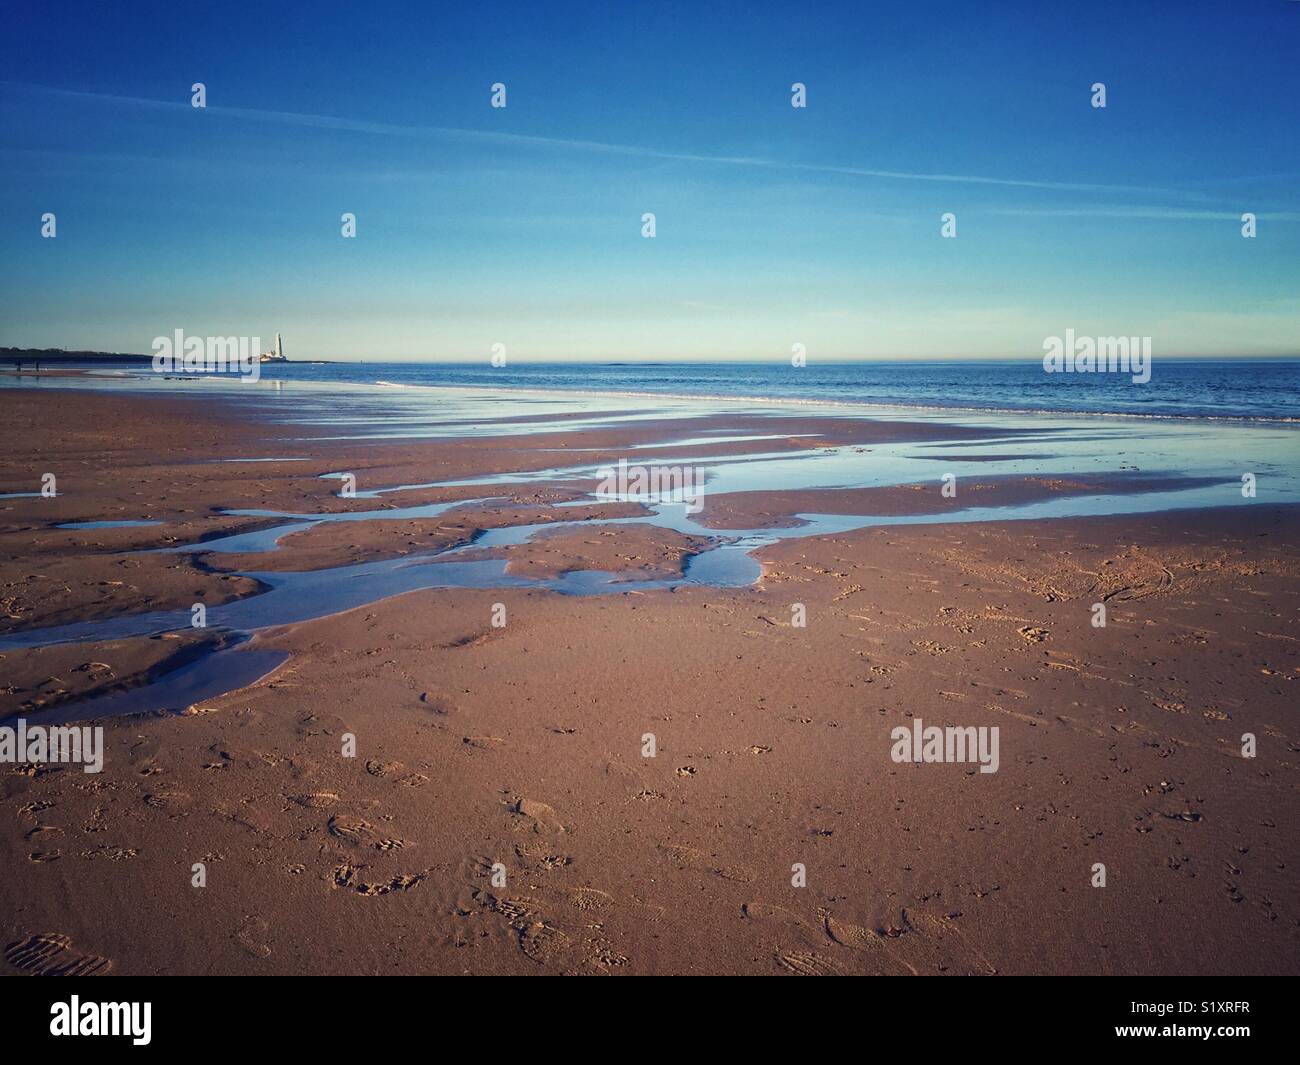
(278, 354)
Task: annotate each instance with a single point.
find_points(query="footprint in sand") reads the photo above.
(913, 944)
(645, 912)
(544, 943)
(802, 963)
(543, 819)
(351, 829)
(252, 937)
(520, 912)
(345, 876)
(864, 940)
(387, 887)
(919, 942)
(591, 900)
(51, 954)
(112, 852)
(316, 800)
(698, 861)
(604, 957)
(538, 939)
(533, 855)
(169, 799)
(780, 928)
(851, 935)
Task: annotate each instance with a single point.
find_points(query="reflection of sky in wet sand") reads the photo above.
(106, 524)
(1039, 446)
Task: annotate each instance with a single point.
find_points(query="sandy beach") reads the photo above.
(500, 813)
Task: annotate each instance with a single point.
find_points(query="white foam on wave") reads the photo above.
(803, 401)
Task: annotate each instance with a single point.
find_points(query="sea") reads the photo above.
(1247, 390)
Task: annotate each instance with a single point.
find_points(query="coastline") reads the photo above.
(857, 407)
(522, 745)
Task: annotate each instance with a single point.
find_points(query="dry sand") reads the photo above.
(521, 748)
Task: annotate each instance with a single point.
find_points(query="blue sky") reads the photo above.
(775, 225)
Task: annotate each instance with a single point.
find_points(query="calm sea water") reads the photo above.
(1265, 389)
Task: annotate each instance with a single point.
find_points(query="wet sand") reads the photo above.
(518, 750)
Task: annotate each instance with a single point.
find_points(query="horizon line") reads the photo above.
(518, 361)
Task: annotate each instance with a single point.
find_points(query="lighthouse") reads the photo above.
(278, 354)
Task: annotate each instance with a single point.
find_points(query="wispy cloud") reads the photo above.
(389, 129)
(1172, 214)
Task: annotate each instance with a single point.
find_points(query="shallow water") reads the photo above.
(1053, 447)
(206, 678)
(105, 524)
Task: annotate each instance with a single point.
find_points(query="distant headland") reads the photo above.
(56, 357)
